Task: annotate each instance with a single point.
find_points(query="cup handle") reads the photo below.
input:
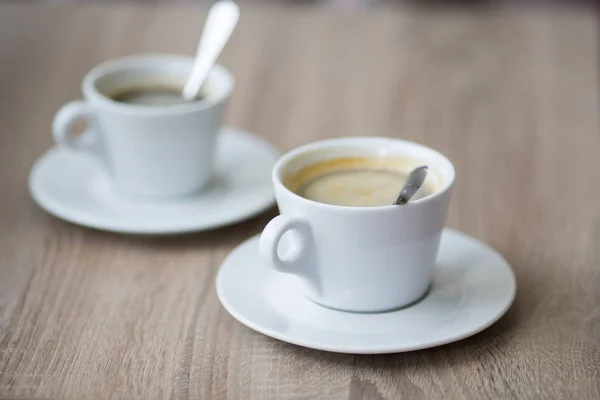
(271, 236)
(62, 127)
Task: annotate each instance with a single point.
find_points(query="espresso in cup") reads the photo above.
(354, 181)
(158, 95)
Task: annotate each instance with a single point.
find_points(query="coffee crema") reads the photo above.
(354, 181)
(151, 95)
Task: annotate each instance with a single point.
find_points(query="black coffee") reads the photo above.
(151, 96)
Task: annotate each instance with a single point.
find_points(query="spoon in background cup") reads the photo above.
(220, 23)
(412, 185)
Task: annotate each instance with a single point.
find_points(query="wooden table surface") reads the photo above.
(510, 96)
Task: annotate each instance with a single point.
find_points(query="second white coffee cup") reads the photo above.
(148, 151)
(363, 259)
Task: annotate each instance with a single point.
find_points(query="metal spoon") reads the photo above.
(412, 185)
(220, 22)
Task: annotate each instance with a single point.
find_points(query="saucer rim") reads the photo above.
(374, 349)
(56, 208)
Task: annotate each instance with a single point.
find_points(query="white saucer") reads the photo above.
(74, 187)
(473, 287)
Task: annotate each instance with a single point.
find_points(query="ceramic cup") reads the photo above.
(148, 151)
(362, 259)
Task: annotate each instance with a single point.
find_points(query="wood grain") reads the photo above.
(511, 97)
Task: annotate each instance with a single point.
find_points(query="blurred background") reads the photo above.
(354, 3)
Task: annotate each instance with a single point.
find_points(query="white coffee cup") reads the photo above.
(149, 151)
(362, 259)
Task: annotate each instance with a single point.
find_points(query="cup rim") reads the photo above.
(287, 157)
(90, 91)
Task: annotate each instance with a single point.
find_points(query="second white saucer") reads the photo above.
(74, 187)
(473, 286)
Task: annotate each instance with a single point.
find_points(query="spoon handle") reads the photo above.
(220, 22)
(412, 185)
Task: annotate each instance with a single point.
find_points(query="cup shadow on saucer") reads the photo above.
(404, 307)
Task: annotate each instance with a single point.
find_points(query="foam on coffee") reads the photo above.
(354, 181)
